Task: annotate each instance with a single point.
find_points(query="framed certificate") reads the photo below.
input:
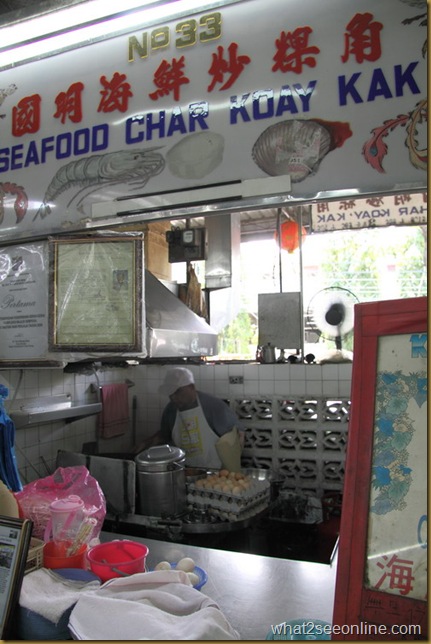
(381, 587)
(96, 288)
(15, 537)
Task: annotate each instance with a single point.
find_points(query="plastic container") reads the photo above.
(117, 558)
(66, 517)
(52, 559)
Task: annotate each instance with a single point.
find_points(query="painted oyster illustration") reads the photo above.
(297, 147)
(196, 155)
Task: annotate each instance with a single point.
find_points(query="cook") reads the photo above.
(204, 426)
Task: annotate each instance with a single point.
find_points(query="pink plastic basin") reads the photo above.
(117, 558)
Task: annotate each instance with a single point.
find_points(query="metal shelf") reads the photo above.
(47, 409)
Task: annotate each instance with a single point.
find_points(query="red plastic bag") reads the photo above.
(35, 498)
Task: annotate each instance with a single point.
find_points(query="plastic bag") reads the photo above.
(35, 497)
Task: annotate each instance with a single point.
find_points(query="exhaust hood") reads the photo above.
(173, 330)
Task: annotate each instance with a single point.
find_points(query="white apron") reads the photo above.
(192, 433)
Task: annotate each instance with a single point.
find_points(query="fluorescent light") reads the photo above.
(49, 22)
(65, 29)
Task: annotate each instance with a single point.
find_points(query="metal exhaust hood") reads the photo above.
(173, 330)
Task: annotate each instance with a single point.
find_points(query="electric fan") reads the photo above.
(330, 314)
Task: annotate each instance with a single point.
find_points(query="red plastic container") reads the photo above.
(117, 558)
(51, 558)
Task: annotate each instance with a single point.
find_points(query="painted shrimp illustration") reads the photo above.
(134, 167)
(20, 204)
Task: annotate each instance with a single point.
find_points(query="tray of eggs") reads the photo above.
(229, 495)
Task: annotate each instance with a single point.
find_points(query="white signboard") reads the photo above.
(396, 210)
(320, 90)
(397, 542)
(24, 302)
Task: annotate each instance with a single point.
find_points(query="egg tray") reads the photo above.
(229, 506)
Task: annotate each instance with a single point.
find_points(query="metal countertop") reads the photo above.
(252, 591)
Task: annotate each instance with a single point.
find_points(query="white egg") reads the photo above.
(186, 564)
(163, 565)
(193, 578)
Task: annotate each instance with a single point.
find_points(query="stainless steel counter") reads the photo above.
(252, 591)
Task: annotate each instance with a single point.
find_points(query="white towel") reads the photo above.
(160, 605)
(50, 595)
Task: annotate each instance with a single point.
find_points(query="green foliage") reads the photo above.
(237, 336)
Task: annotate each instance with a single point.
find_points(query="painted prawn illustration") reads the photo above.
(134, 167)
(20, 204)
(375, 149)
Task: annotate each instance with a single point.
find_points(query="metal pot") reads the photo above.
(266, 353)
(161, 481)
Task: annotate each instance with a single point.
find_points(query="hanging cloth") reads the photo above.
(114, 417)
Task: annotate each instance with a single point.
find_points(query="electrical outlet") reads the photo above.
(236, 380)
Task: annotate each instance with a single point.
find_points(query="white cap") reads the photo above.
(176, 378)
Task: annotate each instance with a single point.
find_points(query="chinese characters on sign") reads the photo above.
(293, 51)
(398, 209)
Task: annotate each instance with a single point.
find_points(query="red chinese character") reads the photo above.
(322, 207)
(116, 94)
(362, 38)
(399, 574)
(301, 55)
(220, 66)
(69, 104)
(374, 201)
(26, 116)
(347, 204)
(399, 200)
(169, 78)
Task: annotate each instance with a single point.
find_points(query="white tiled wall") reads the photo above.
(36, 446)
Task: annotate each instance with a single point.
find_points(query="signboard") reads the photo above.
(24, 302)
(381, 586)
(245, 91)
(395, 210)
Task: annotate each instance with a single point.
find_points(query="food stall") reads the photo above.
(197, 114)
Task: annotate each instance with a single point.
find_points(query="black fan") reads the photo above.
(330, 313)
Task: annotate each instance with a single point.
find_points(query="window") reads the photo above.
(365, 264)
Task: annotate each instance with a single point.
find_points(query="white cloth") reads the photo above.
(50, 595)
(194, 435)
(159, 605)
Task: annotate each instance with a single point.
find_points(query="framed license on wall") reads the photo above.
(381, 588)
(96, 293)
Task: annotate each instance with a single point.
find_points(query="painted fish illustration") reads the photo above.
(21, 202)
(125, 166)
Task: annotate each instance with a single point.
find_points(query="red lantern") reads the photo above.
(289, 232)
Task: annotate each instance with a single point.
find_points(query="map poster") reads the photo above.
(397, 542)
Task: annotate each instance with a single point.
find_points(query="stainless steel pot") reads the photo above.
(161, 481)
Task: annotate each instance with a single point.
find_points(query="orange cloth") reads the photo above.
(114, 417)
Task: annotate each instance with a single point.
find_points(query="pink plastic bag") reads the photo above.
(34, 499)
